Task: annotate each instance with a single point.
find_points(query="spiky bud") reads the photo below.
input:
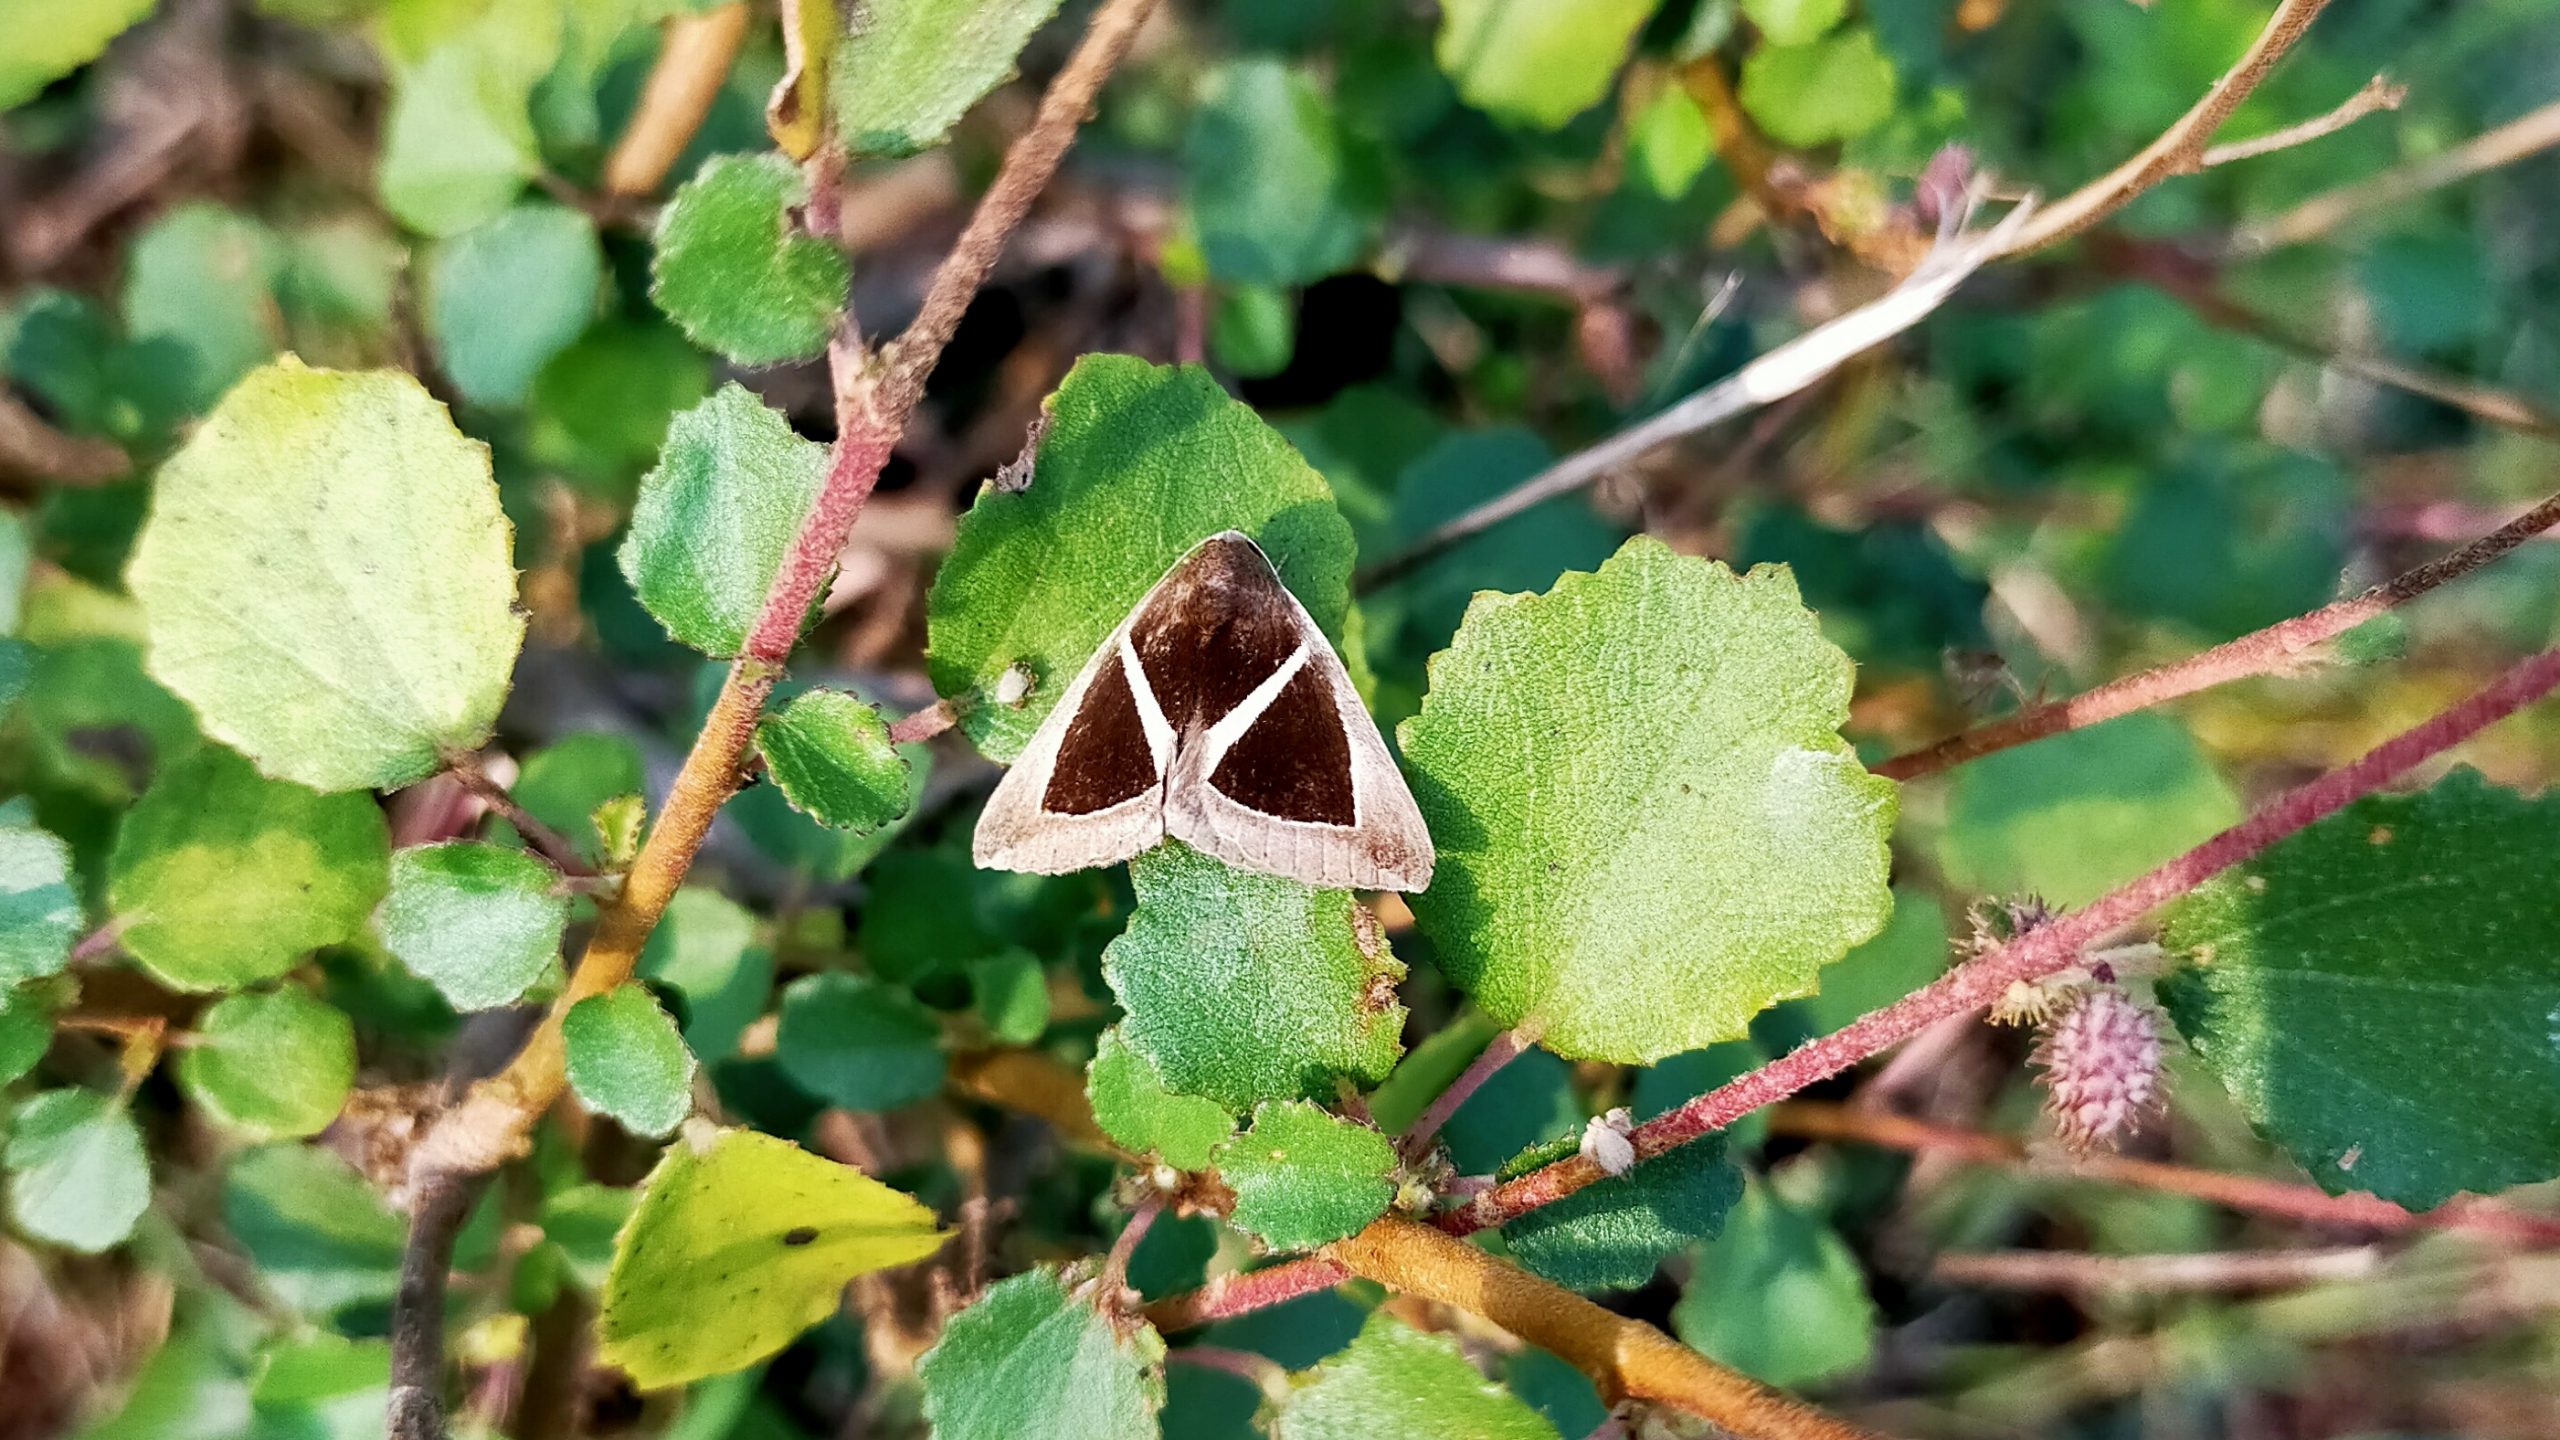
(2101, 1061)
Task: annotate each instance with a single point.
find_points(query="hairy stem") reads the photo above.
(2279, 647)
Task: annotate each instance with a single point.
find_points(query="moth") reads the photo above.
(1216, 714)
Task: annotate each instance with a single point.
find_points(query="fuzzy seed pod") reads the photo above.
(2101, 1062)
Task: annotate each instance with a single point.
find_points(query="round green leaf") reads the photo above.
(26, 1028)
(1394, 1382)
(202, 280)
(479, 922)
(858, 1043)
(1277, 193)
(320, 1236)
(325, 578)
(77, 1175)
(907, 70)
(1610, 1235)
(1794, 22)
(41, 43)
(506, 295)
(716, 517)
(2378, 991)
(1305, 1177)
(1809, 1319)
(1834, 88)
(458, 142)
(1536, 65)
(274, 1066)
(735, 269)
(743, 1207)
(222, 877)
(705, 946)
(39, 911)
(1031, 1361)
(1037, 578)
(626, 1060)
(1649, 827)
(1243, 987)
(1133, 1107)
(830, 754)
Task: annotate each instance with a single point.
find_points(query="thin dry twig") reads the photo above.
(552, 845)
(32, 448)
(2207, 1272)
(2378, 94)
(694, 56)
(2527, 134)
(2280, 647)
(2181, 148)
(2287, 1200)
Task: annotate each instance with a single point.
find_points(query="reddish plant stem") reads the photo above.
(1115, 1266)
(2276, 648)
(924, 724)
(2038, 952)
(2284, 1199)
(1501, 1051)
(1967, 988)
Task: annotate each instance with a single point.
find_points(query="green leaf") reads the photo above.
(1393, 1382)
(1037, 579)
(204, 279)
(319, 1366)
(458, 143)
(40, 44)
(477, 921)
(1032, 1361)
(2377, 992)
(1133, 1107)
(222, 877)
(1649, 827)
(273, 1066)
(736, 1205)
(1831, 89)
(1794, 22)
(1669, 144)
(2072, 816)
(1610, 1235)
(508, 294)
(858, 1043)
(626, 1060)
(734, 268)
(77, 1175)
(1243, 987)
(830, 754)
(26, 1028)
(705, 946)
(307, 498)
(1275, 189)
(1254, 330)
(39, 910)
(321, 1239)
(1010, 993)
(1808, 1318)
(1536, 65)
(909, 69)
(717, 516)
(600, 409)
(1305, 1177)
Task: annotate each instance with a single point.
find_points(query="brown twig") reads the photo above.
(2181, 148)
(491, 1123)
(924, 724)
(552, 845)
(2279, 647)
(2284, 1199)
(1115, 1264)
(1500, 1051)
(2175, 1273)
(694, 56)
(2378, 94)
(2527, 134)
(1626, 1359)
(32, 448)
(417, 1348)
